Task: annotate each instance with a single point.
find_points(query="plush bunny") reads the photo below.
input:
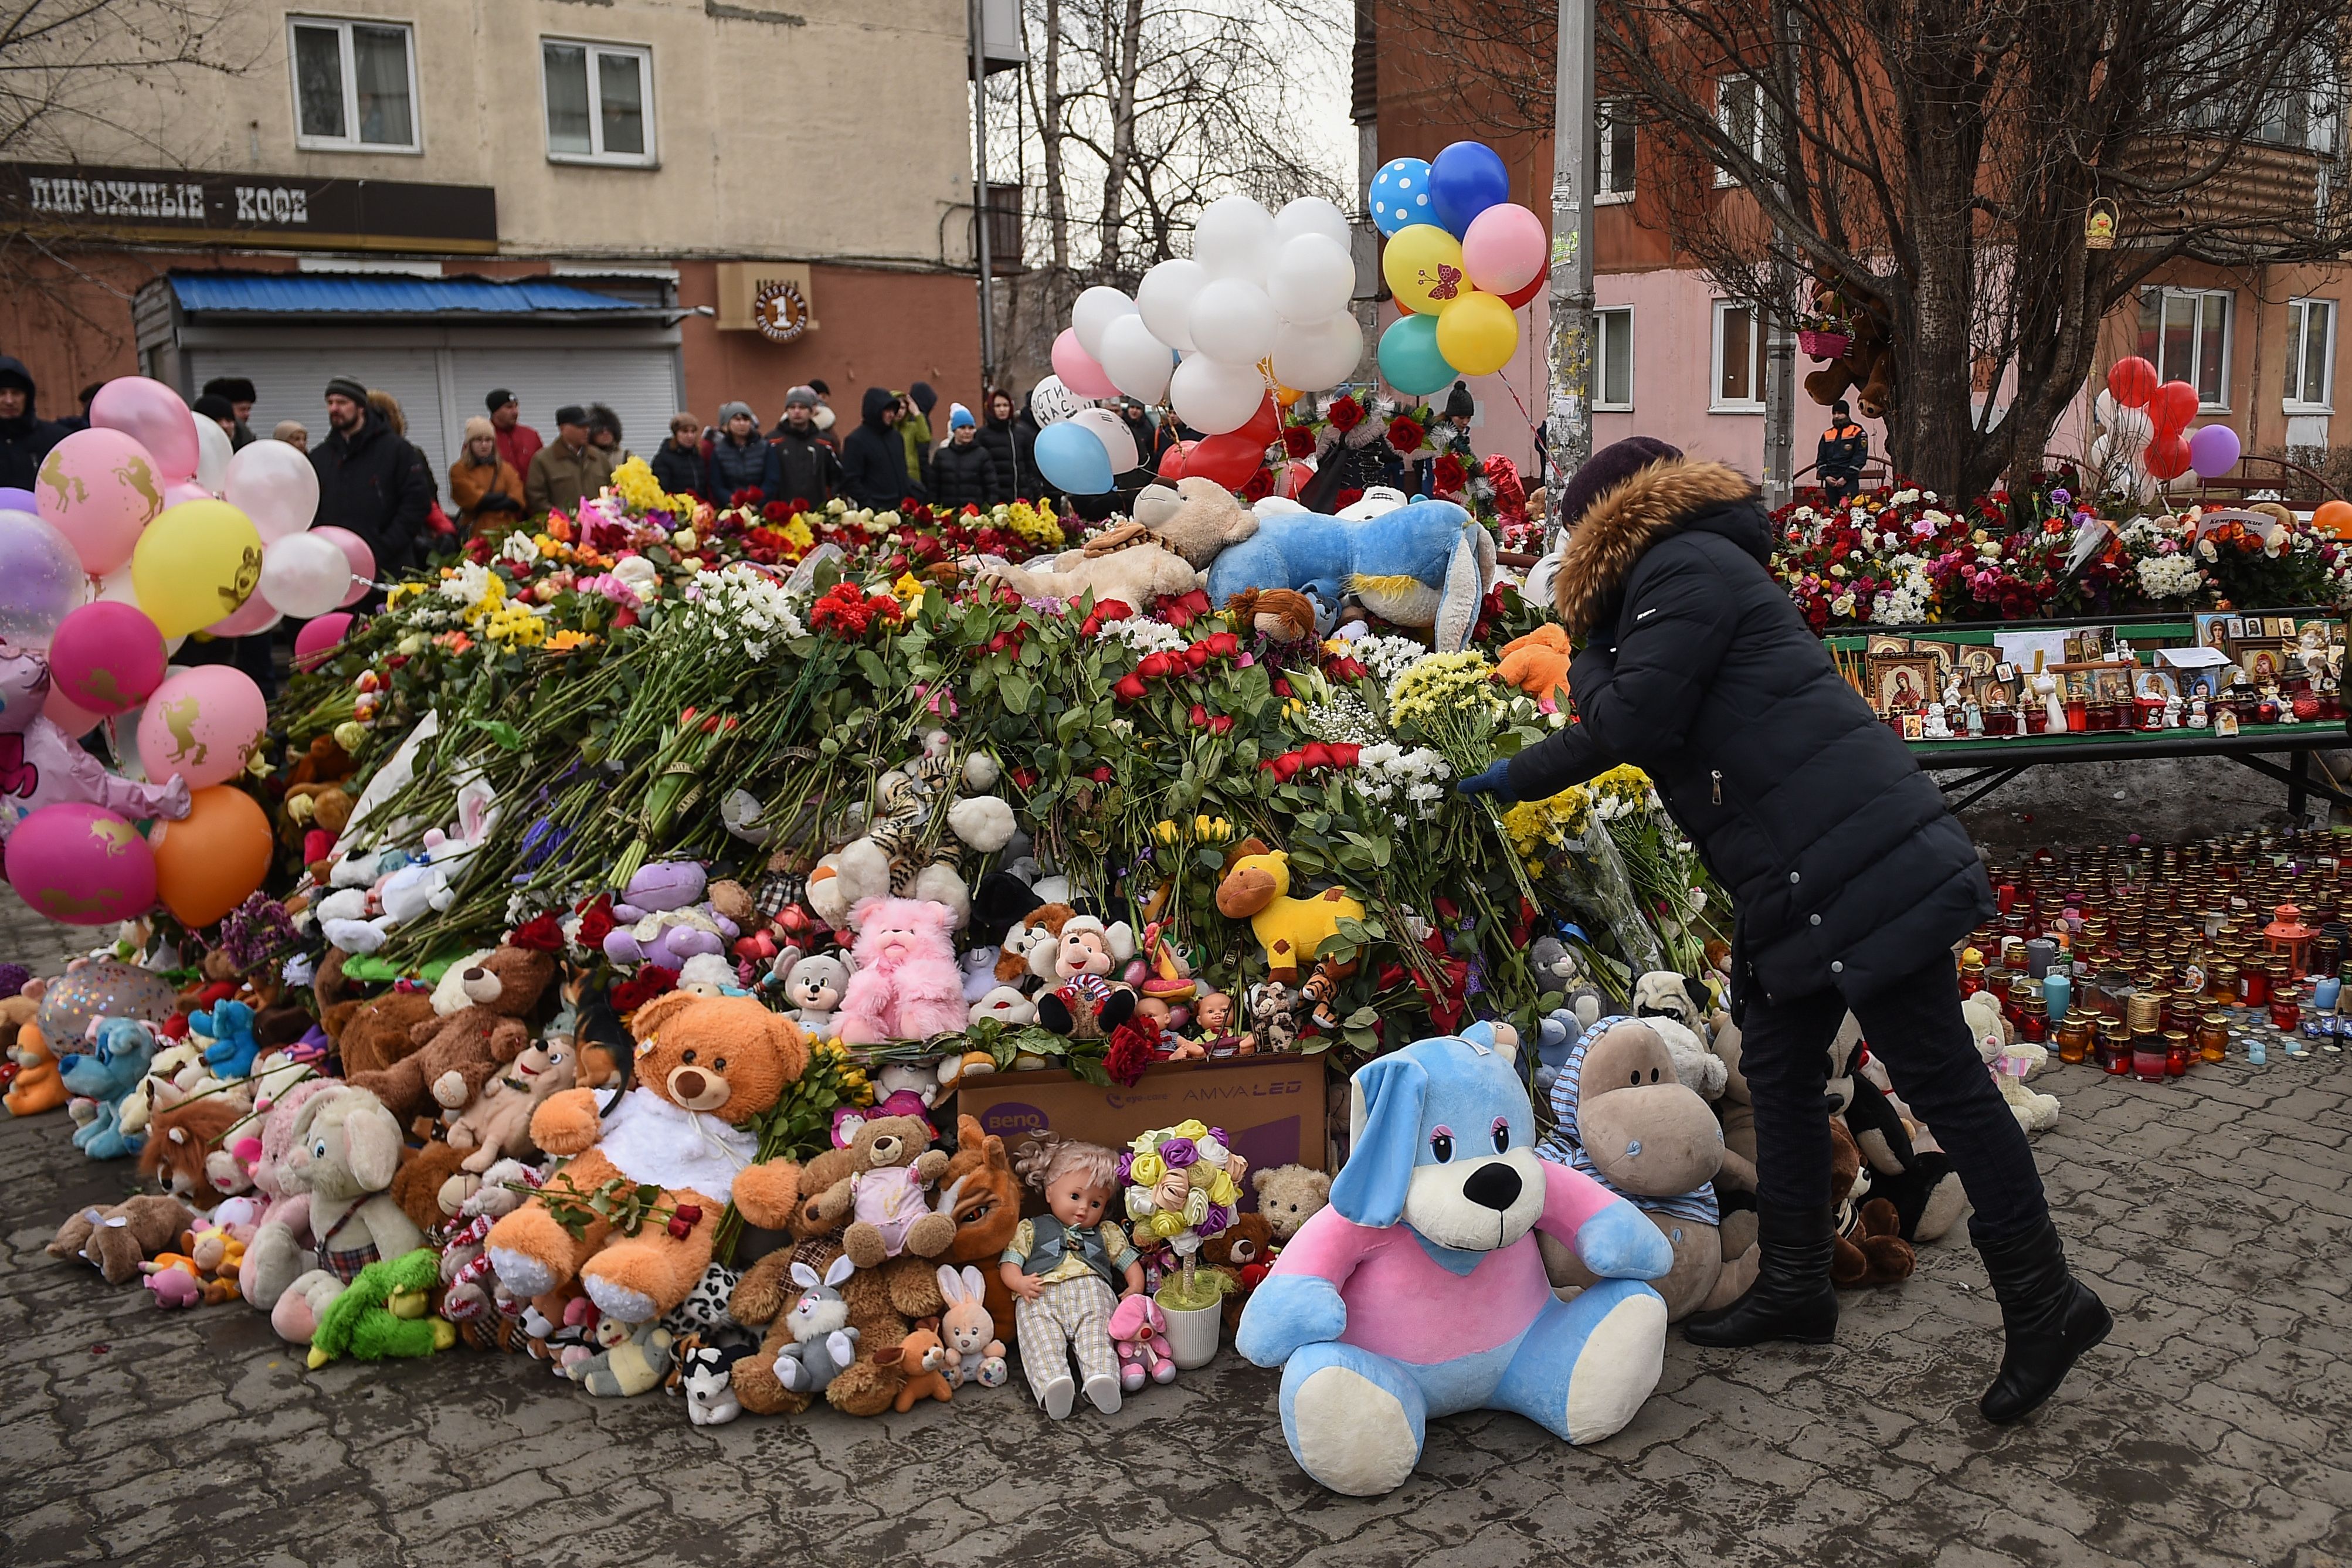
(974, 1353)
(346, 1150)
(823, 1342)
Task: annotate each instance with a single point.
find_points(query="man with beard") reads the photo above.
(370, 480)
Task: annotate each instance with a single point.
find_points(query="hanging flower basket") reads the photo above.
(1821, 344)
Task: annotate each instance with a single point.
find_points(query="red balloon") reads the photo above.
(2132, 381)
(2173, 406)
(2168, 455)
(1265, 424)
(1172, 461)
(1228, 459)
(1527, 290)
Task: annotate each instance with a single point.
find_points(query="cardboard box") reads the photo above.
(1272, 1107)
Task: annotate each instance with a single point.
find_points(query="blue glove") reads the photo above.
(1495, 780)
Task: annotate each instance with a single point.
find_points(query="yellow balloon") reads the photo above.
(194, 564)
(1423, 267)
(1478, 334)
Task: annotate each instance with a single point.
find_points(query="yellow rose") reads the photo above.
(1221, 1191)
(1166, 1227)
(1193, 1129)
(1147, 1169)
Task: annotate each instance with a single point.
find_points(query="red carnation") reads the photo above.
(1405, 434)
(1298, 441)
(1345, 414)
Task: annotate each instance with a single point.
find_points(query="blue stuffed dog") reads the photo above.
(119, 1054)
(229, 1028)
(1421, 1291)
(1425, 565)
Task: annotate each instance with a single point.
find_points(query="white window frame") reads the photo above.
(1715, 402)
(1604, 144)
(2196, 336)
(651, 157)
(342, 26)
(1758, 136)
(2296, 320)
(1600, 403)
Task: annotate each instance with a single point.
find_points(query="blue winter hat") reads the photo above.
(960, 418)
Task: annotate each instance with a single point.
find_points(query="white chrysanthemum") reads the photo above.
(1388, 658)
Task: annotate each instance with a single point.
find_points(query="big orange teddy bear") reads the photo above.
(705, 1068)
(1537, 665)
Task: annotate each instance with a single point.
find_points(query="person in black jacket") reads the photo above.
(1851, 882)
(24, 437)
(740, 459)
(964, 472)
(808, 468)
(678, 461)
(1032, 486)
(874, 459)
(1838, 461)
(239, 392)
(370, 480)
(996, 435)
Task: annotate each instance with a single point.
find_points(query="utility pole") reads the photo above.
(1778, 318)
(980, 213)
(1568, 432)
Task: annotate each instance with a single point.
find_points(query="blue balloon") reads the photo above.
(1072, 458)
(1399, 194)
(1409, 358)
(1468, 178)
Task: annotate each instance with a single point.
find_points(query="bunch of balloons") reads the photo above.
(1260, 304)
(141, 529)
(1460, 258)
(2147, 424)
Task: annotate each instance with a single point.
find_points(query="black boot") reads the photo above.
(2047, 1318)
(1792, 1298)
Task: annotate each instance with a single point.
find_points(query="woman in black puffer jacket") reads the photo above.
(1851, 882)
(964, 472)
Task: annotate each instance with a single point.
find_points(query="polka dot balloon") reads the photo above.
(1400, 194)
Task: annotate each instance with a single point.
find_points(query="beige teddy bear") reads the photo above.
(1174, 536)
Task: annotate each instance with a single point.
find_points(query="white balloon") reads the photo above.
(115, 586)
(1097, 307)
(1165, 299)
(1137, 361)
(1214, 397)
(1314, 355)
(1234, 321)
(1313, 276)
(2133, 429)
(304, 575)
(2099, 456)
(2104, 406)
(1051, 402)
(1112, 432)
(213, 449)
(1312, 214)
(275, 485)
(1234, 238)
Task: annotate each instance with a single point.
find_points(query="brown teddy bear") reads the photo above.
(371, 1037)
(706, 1067)
(876, 1190)
(1870, 1249)
(1242, 1253)
(1867, 366)
(477, 1029)
(119, 1239)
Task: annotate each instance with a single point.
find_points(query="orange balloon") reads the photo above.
(212, 861)
(2333, 516)
(1284, 396)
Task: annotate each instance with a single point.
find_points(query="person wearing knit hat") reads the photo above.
(241, 396)
(350, 388)
(740, 459)
(518, 442)
(488, 491)
(801, 397)
(960, 418)
(212, 406)
(808, 470)
(964, 472)
(1851, 884)
(294, 433)
(1460, 407)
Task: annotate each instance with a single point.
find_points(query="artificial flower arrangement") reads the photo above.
(1183, 1189)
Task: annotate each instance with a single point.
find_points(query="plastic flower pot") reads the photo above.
(1819, 344)
(1193, 1328)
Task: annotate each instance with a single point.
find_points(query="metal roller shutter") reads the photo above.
(291, 383)
(639, 384)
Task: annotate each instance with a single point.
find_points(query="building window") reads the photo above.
(1739, 360)
(599, 101)
(1739, 114)
(2310, 357)
(1614, 133)
(2185, 333)
(354, 86)
(2304, 109)
(1613, 359)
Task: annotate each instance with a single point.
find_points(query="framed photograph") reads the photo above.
(2088, 645)
(2154, 685)
(2205, 683)
(1979, 659)
(2237, 627)
(2006, 670)
(1914, 727)
(2281, 626)
(1885, 642)
(2225, 722)
(2111, 684)
(1903, 682)
(2264, 665)
(2214, 630)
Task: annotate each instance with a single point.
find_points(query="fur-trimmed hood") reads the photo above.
(1625, 521)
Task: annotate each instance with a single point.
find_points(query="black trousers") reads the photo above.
(1916, 1027)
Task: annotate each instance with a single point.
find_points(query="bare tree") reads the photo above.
(1935, 164)
(1136, 114)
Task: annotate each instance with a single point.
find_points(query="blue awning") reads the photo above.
(313, 293)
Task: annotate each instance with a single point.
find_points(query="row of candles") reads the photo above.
(2139, 958)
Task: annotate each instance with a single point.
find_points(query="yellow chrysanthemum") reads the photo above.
(635, 483)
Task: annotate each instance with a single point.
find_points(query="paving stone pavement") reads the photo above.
(2213, 1214)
